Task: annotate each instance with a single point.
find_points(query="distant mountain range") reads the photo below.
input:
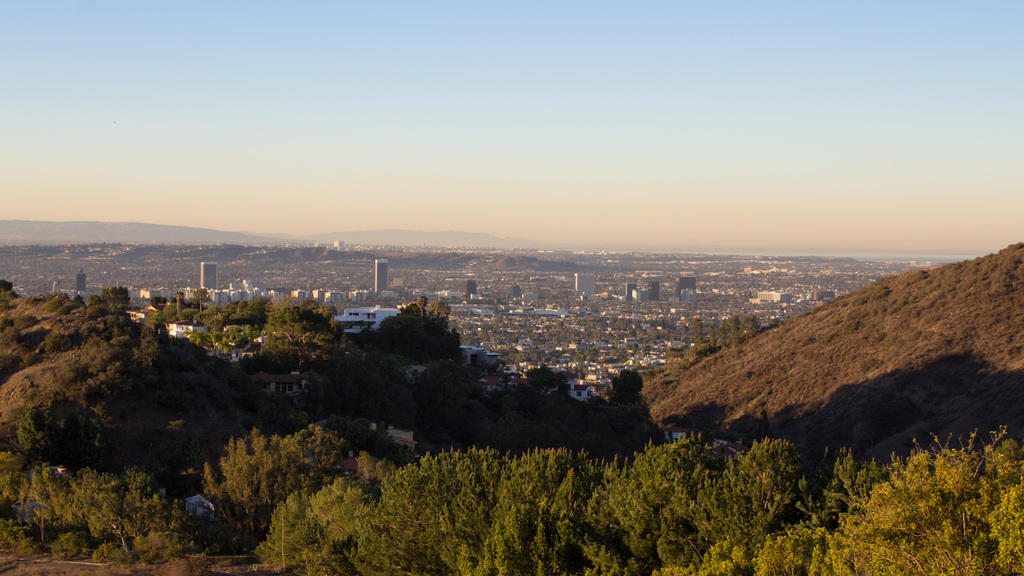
(938, 351)
(424, 238)
(87, 232)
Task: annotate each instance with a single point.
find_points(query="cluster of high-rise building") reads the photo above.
(685, 289)
(245, 291)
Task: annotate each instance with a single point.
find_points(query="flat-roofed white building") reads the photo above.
(358, 319)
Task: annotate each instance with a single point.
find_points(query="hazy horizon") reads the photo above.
(824, 129)
(499, 242)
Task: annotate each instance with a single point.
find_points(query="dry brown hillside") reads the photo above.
(937, 351)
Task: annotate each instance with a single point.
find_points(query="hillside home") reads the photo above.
(402, 437)
(356, 320)
(199, 506)
(478, 356)
(182, 328)
(292, 384)
(673, 433)
(579, 391)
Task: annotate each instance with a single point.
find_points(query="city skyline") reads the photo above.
(785, 128)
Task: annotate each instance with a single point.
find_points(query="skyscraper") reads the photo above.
(208, 275)
(630, 290)
(584, 284)
(685, 283)
(470, 288)
(654, 291)
(80, 282)
(380, 275)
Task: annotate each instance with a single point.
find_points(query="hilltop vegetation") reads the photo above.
(86, 386)
(934, 351)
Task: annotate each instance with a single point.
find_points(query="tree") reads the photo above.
(115, 297)
(201, 296)
(626, 388)
(297, 335)
(41, 498)
(316, 532)
(440, 309)
(36, 433)
(433, 516)
(543, 378)
(7, 291)
(258, 472)
(122, 506)
(931, 516)
(754, 497)
(538, 525)
(642, 517)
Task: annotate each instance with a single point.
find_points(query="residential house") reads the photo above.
(292, 384)
(579, 391)
(199, 507)
(356, 320)
(182, 328)
(673, 433)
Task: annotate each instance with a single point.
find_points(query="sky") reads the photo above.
(811, 126)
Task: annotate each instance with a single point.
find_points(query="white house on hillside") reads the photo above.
(358, 319)
(579, 391)
(182, 328)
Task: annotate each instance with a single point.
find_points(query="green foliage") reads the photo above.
(77, 438)
(162, 546)
(792, 553)
(642, 516)
(299, 335)
(7, 292)
(258, 472)
(538, 526)
(122, 507)
(543, 378)
(433, 516)
(416, 337)
(108, 552)
(15, 537)
(1007, 520)
(626, 388)
(72, 544)
(754, 496)
(316, 533)
(931, 516)
(295, 536)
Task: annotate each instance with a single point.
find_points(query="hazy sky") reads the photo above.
(814, 125)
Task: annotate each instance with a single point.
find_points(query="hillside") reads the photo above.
(106, 392)
(937, 351)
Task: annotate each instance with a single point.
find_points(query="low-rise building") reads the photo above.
(182, 328)
(356, 320)
(479, 356)
(199, 507)
(292, 384)
(579, 391)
